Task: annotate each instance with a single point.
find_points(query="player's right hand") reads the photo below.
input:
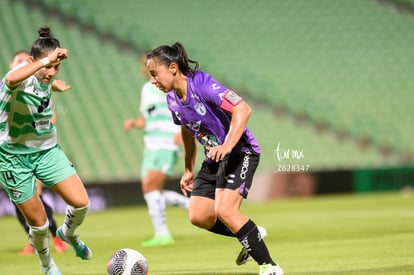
(57, 56)
(186, 182)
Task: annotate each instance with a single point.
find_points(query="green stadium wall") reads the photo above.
(330, 78)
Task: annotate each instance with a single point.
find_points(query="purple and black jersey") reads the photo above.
(203, 112)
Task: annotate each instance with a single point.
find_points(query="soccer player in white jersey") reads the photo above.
(29, 150)
(162, 141)
(18, 58)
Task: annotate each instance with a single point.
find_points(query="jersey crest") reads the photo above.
(200, 109)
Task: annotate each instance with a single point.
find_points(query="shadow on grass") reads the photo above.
(205, 272)
(214, 273)
(405, 269)
(192, 272)
(185, 273)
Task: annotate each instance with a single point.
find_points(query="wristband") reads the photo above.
(45, 61)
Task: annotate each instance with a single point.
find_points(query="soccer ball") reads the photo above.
(127, 261)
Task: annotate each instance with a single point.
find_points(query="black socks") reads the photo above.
(221, 229)
(249, 236)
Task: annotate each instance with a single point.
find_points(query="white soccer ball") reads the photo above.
(127, 261)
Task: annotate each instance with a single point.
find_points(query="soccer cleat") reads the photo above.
(59, 245)
(52, 269)
(27, 250)
(244, 255)
(80, 248)
(158, 241)
(269, 269)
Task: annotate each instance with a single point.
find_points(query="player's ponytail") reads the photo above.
(183, 61)
(175, 53)
(45, 43)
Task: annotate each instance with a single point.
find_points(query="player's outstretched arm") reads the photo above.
(60, 86)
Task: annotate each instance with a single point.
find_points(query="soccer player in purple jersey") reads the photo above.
(217, 117)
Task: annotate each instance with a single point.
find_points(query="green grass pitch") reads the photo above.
(340, 234)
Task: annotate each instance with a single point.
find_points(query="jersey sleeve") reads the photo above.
(22, 83)
(171, 102)
(230, 99)
(217, 94)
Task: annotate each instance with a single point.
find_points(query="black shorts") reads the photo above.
(234, 171)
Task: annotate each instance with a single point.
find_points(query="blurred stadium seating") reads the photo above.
(330, 78)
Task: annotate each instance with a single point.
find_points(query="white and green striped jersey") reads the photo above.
(25, 117)
(159, 127)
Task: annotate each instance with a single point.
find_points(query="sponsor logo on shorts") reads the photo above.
(16, 193)
(245, 167)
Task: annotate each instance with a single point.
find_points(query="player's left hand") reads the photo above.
(217, 153)
(60, 86)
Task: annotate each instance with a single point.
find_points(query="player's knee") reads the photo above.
(40, 230)
(202, 221)
(37, 221)
(79, 203)
(224, 213)
(147, 187)
(195, 219)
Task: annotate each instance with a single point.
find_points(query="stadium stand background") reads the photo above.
(332, 79)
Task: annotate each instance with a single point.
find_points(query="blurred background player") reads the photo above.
(162, 140)
(18, 58)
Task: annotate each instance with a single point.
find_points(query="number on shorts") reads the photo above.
(8, 177)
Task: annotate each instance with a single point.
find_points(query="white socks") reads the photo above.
(39, 238)
(157, 202)
(74, 217)
(156, 209)
(175, 199)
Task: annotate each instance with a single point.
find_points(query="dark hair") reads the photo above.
(174, 54)
(45, 43)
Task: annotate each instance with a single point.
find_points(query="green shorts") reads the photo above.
(19, 171)
(159, 160)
